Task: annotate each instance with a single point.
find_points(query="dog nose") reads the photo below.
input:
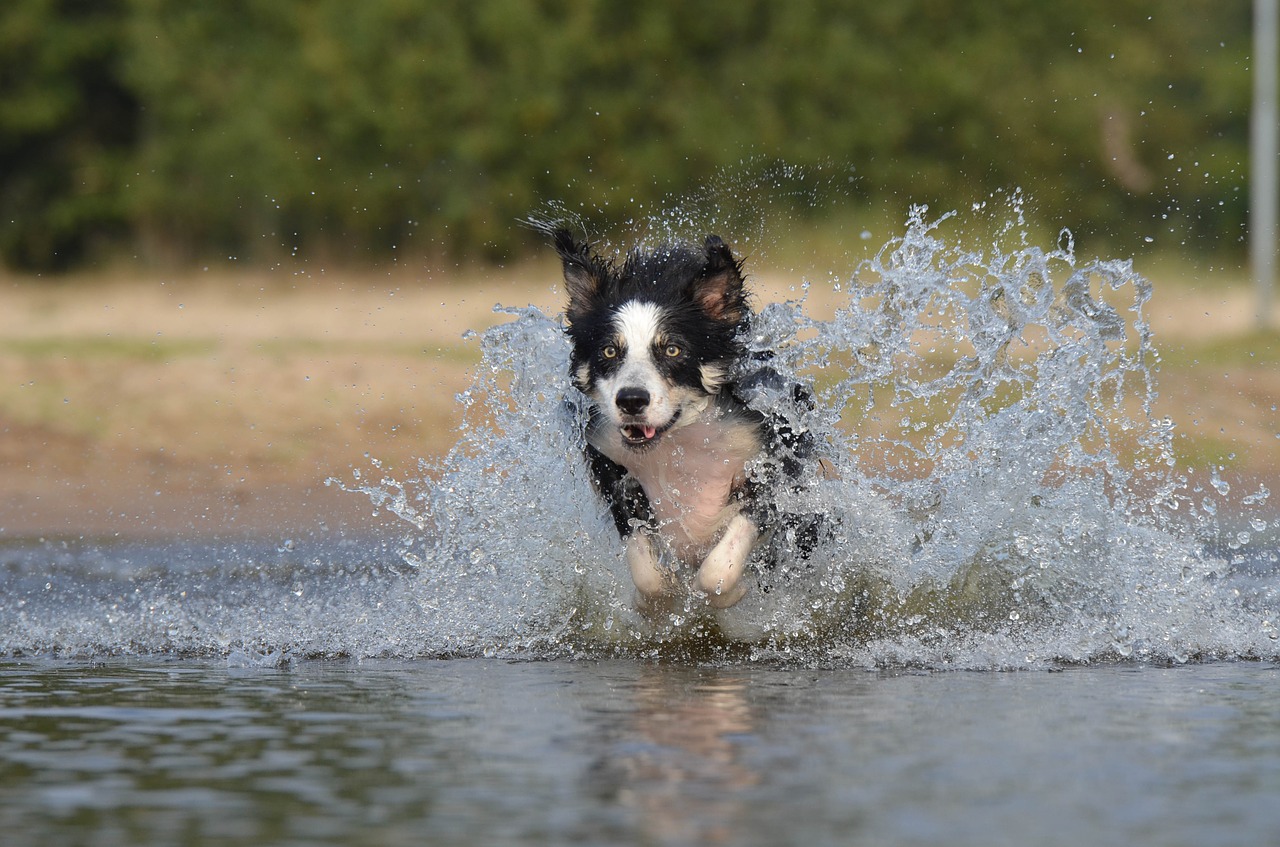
(632, 401)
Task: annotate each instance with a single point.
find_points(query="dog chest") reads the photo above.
(690, 478)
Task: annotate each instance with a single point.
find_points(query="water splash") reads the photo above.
(1004, 493)
(1004, 496)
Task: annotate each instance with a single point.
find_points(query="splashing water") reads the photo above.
(1003, 497)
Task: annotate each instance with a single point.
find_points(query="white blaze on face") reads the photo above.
(638, 326)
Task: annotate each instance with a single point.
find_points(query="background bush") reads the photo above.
(179, 131)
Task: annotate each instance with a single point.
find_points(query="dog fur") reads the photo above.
(684, 464)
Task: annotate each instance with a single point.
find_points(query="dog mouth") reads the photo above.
(640, 435)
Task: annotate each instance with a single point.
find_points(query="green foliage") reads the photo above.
(264, 128)
(67, 130)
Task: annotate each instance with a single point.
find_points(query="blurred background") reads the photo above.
(240, 241)
(165, 131)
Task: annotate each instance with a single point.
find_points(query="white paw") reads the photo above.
(651, 579)
(720, 575)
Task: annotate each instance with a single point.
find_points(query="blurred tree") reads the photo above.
(67, 130)
(263, 128)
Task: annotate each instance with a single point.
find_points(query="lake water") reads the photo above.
(1029, 621)
(152, 751)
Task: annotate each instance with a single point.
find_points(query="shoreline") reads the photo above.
(219, 404)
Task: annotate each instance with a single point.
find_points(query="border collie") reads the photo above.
(684, 464)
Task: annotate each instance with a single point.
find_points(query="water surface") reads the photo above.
(162, 751)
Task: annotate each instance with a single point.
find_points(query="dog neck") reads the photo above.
(691, 474)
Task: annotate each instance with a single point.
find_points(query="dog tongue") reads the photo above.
(649, 432)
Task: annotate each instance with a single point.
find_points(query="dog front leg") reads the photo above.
(651, 579)
(720, 575)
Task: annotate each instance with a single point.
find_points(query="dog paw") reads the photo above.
(722, 595)
(720, 575)
(651, 579)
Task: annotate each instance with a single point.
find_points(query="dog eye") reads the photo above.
(609, 351)
(673, 350)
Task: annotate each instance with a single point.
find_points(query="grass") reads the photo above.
(255, 383)
(449, 354)
(124, 349)
(1258, 348)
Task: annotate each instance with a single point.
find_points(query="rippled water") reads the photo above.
(158, 751)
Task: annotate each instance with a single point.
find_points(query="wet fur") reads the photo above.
(657, 350)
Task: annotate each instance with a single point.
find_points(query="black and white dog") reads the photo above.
(685, 465)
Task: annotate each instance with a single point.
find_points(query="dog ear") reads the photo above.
(583, 272)
(719, 290)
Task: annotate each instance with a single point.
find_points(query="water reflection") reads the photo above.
(157, 752)
(677, 761)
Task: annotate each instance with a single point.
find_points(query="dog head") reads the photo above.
(655, 337)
